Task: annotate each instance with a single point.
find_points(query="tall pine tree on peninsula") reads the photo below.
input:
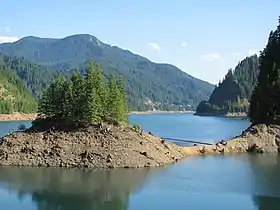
(265, 100)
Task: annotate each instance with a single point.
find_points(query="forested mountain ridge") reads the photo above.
(150, 85)
(14, 96)
(233, 93)
(36, 78)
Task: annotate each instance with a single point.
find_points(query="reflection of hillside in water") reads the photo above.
(266, 179)
(67, 189)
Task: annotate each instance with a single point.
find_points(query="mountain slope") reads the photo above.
(234, 92)
(34, 77)
(14, 96)
(150, 85)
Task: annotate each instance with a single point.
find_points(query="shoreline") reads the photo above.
(18, 117)
(32, 116)
(228, 115)
(102, 150)
(161, 112)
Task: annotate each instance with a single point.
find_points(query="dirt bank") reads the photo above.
(17, 117)
(91, 147)
(258, 138)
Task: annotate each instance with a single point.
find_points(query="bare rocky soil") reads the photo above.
(88, 148)
(255, 139)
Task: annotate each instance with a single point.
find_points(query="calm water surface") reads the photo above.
(213, 182)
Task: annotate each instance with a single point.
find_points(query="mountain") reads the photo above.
(14, 96)
(150, 85)
(233, 93)
(34, 77)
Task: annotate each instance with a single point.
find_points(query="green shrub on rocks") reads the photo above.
(136, 128)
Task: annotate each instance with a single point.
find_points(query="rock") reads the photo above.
(87, 148)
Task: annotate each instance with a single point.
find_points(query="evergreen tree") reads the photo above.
(99, 86)
(123, 106)
(78, 101)
(92, 100)
(264, 103)
(112, 98)
(78, 104)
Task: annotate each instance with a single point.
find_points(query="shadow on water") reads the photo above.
(67, 189)
(266, 179)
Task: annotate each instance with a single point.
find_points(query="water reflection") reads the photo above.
(53, 188)
(266, 174)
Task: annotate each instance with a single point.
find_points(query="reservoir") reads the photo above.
(240, 181)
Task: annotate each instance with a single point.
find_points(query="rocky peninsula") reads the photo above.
(120, 146)
(92, 147)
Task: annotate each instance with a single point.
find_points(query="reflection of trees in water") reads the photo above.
(67, 189)
(266, 175)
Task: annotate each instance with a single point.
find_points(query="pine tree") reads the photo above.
(78, 101)
(99, 86)
(112, 101)
(78, 114)
(123, 106)
(92, 101)
(264, 103)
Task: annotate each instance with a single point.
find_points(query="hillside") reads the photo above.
(14, 96)
(233, 93)
(150, 85)
(34, 77)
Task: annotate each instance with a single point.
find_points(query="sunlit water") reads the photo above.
(212, 182)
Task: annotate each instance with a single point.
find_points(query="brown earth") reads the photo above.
(257, 139)
(17, 116)
(120, 147)
(90, 147)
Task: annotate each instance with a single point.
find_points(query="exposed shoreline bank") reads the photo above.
(229, 115)
(122, 147)
(17, 117)
(32, 116)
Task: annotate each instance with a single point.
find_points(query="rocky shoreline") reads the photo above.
(91, 147)
(18, 117)
(121, 146)
(32, 116)
(255, 139)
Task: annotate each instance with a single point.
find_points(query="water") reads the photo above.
(212, 182)
(191, 127)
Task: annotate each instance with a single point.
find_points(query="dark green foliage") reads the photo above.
(83, 101)
(165, 85)
(36, 78)
(232, 94)
(136, 128)
(265, 100)
(206, 108)
(14, 97)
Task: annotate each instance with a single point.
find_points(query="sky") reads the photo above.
(203, 38)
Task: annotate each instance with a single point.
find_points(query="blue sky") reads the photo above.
(203, 38)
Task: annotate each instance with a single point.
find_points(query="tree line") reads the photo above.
(265, 100)
(232, 94)
(82, 101)
(14, 96)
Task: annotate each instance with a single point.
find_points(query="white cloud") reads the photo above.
(7, 28)
(237, 53)
(5, 39)
(154, 45)
(211, 57)
(252, 52)
(184, 44)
